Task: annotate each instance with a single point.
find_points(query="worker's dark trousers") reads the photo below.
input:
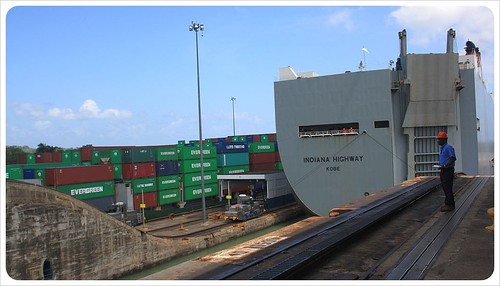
(446, 177)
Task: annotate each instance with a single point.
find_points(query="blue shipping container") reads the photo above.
(28, 173)
(165, 168)
(231, 147)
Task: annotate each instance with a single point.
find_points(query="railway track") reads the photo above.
(191, 224)
(416, 262)
(184, 225)
(363, 243)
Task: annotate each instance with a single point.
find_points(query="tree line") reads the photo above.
(13, 152)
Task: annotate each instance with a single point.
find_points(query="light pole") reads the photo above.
(233, 99)
(195, 27)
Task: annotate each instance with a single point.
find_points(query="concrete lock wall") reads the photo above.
(74, 240)
(71, 240)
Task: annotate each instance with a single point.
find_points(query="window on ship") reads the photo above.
(334, 129)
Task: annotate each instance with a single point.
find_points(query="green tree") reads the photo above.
(12, 156)
(46, 148)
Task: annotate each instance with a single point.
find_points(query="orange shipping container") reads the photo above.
(257, 158)
(138, 170)
(150, 200)
(262, 167)
(78, 175)
(86, 153)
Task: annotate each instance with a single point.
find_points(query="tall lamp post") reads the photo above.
(233, 99)
(199, 27)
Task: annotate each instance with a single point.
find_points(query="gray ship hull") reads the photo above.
(348, 135)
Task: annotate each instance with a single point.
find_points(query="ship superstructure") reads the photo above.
(348, 135)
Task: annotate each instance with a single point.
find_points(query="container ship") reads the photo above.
(345, 136)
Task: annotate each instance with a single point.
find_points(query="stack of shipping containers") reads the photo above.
(167, 172)
(139, 171)
(109, 156)
(262, 153)
(30, 167)
(93, 184)
(232, 157)
(155, 178)
(190, 170)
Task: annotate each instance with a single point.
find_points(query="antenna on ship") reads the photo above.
(362, 64)
(361, 67)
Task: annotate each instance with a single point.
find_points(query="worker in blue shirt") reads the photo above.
(447, 160)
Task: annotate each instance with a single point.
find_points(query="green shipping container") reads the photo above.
(191, 166)
(166, 154)
(238, 139)
(14, 172)
(234, 170)
(67, 156)
(194, 192)
(264, 138)
(168, 197)
(192, 179)
(116, 156)
(89, 190)
(144, 185)
(49, 165)
(193, 152)
(232, 159)
(40, 174)
(138, 155)
(118, 171)
(168, 182)
(97, 155)
(261, 147)
(30, 158)
(76, 156)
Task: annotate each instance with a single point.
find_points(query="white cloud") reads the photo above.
(428, 23)
(28, 109)
(89, 109)
(342, 18)
(66, 113)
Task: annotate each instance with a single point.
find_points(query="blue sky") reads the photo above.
(126, 75)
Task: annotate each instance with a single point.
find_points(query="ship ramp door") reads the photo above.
(424, 153)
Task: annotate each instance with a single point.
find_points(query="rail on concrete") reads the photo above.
(417, 262)
(333, 233)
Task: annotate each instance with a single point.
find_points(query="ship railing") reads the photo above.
(325, 133)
